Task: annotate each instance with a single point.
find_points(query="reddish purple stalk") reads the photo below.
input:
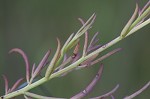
(90, 87)
(26, 61)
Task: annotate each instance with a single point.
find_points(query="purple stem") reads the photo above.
(76, 50)
(33, 69)
(146, 6)
(93, 41)
(6, 83)
(65, 57)
(26, 61)
(90, 87)
(41, 64)
(93, 48)
(99, 59)
(105, 56)
(86, 38)
(16, 84)
(76, 58)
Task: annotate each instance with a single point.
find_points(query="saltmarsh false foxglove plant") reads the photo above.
(62, 63)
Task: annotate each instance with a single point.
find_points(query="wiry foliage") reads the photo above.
(62, 63)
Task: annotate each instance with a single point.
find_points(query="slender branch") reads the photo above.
(82, 59)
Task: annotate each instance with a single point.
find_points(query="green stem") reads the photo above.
(74, 65)
(146, 13)
(42, 80)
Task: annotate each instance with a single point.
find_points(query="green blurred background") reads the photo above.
(33, 26)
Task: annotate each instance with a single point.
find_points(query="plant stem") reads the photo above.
(146, 13)
(75, 64)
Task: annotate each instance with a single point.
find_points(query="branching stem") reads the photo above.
(83, 58)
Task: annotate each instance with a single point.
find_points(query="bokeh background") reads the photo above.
(33, 26)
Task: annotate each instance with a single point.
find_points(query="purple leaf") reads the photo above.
(65, 57)
(16, 84)
(33, 69)
(105, 56)
(93, 48)
(93, 41)
(76, 50)
(52, 64)
(144, 8)
(76, 58)
(68, 60)
(25, 59)
(86, 39)
(6, 83)
(90, 87)
(89, 60)
(41, 64)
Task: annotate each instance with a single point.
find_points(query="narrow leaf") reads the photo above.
(90, 87)
(93, 41)
(93, 48)
(76, 50)
(91, 63)
(89, 60)
(73, 44)
(86, 28)
(16, 84)
(6, 83)
(33, 69)
(105, 56)
(144, 8)
(64, 63)
(87, 22)
(51, 66)
(25, 59)
(127, 26)
(66, 43)
(76, 57)
(41, 64)
(85, 44)
(85, 40)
